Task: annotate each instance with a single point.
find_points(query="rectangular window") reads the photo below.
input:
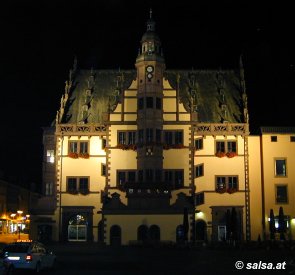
(149, 102)
(103, 143)
(122, 138)
(281, 194)
(199, 198)
(140, 103)
(220, 146)
(83, 147)
(140, 136)
(178, 137)
(158, 136)
(168, 175)
(158, 175)
(232, 146)
(199, 144)
(131, 137)
(80, 147)
(273, 138)
(232, 182)
(121, 177)
(149, 135)
(199, 170)
(149, 175)
(50, 156)
(49, 189)
(103, 170)
(140, 175)
(220, 183)
(72, 185)
(73, 147)
(75, 184)
(292, 138)
(226, 146)
(227, 183)
(131, 176)
(178, 178)
(280, 168)
(83, 185)
(168, 135)
(158, 103)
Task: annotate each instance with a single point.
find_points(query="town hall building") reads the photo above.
(159, 155)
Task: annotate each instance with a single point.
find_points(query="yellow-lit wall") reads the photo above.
(130, 223)
(255, 187)
(283, 148)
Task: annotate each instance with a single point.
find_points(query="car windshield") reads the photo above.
(16, 248)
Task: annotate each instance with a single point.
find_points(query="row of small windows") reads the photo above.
(150, 135)
(275, 138)
(149, 103)
(175, 178)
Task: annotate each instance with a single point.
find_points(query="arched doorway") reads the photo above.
(142, 233)
(201, 230)
(77, 228)
(115, 235)
(154, 233)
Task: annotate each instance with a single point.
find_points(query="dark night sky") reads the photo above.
(39, 40)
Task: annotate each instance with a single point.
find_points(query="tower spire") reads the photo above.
(150, 24)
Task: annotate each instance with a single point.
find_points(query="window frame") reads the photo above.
(199, 144)
(199, 170)
(226, 182)
(103, 170)
(171, 137)
(78, 146)
(226, 148)
(276, 194)
(78, 189)
(50, 155)
(275, 168)
(126, 137)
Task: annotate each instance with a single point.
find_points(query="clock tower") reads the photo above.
(150, 67)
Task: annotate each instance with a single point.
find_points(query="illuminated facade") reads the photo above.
(152, 155)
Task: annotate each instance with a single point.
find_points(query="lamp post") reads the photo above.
(19, 212)
(13, 219)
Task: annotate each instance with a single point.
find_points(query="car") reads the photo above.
(30, 255)
(5, 268)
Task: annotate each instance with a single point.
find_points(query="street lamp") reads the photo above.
(19, 212)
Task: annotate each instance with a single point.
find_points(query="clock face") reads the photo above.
(150, 76)
(149, 69)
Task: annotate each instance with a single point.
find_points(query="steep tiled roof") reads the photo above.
(213, 91)
(277, 130)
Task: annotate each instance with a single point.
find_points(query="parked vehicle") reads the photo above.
(5, 268)
(28, 255)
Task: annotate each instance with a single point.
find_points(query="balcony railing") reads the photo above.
(83, 129)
